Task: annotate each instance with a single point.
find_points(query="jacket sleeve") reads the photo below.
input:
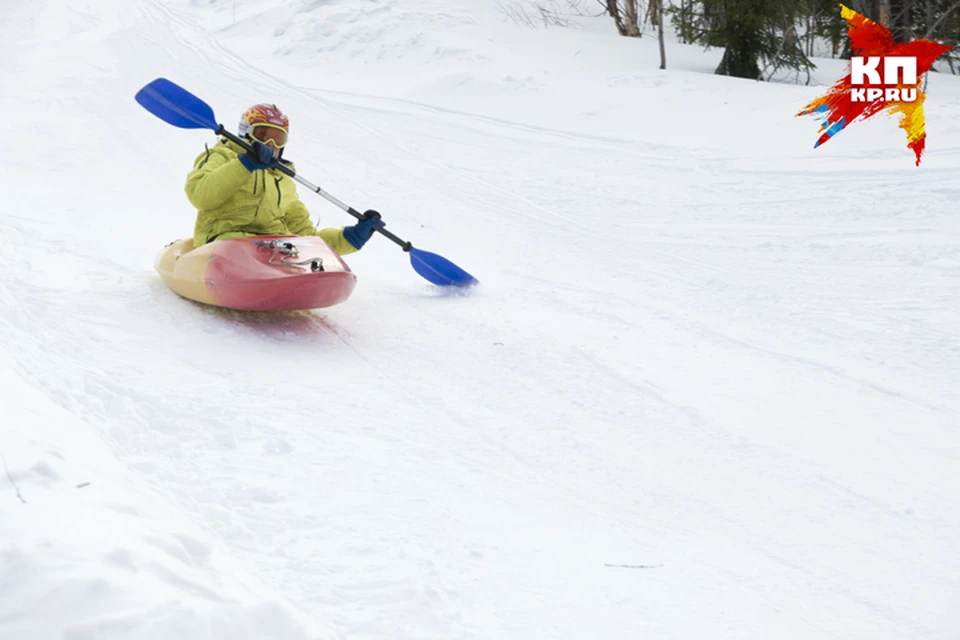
(297, 219)
(334, 238)
(214, 180)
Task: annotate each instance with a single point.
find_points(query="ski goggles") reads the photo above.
(270, 134)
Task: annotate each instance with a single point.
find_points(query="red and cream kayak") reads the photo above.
(258, 273)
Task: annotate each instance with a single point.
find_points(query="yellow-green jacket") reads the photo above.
(233, 202)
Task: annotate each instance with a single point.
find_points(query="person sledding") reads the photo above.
(238, 193)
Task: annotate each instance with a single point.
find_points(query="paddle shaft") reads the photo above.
(404, 244)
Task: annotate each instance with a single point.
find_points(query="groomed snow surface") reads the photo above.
(707, 387)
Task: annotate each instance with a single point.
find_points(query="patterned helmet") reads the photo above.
(266, 123)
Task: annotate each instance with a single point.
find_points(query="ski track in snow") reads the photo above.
(737, 372)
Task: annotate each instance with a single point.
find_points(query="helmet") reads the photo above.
(266, 123)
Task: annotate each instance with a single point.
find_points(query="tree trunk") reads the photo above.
(663, 47)
(613, 8)
(739, 63)
(683, 21)
(861, 7)
(885, 17)
(903, 21)
(631, 19)
(626, 20)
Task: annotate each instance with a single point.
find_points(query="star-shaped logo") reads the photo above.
(862, 93)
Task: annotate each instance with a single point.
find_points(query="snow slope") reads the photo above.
(706, 388)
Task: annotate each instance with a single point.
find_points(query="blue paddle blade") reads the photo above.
(439, 270)
(175, 105)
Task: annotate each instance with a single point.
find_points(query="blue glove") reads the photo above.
(262, 157)
(358, 234)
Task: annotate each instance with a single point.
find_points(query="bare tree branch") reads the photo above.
(941, 20)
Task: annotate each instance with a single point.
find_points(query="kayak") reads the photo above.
(257, 273)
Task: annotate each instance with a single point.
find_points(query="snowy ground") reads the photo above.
(706, 389)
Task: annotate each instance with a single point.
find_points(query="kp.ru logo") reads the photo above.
(885, 75)
(895, 86)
